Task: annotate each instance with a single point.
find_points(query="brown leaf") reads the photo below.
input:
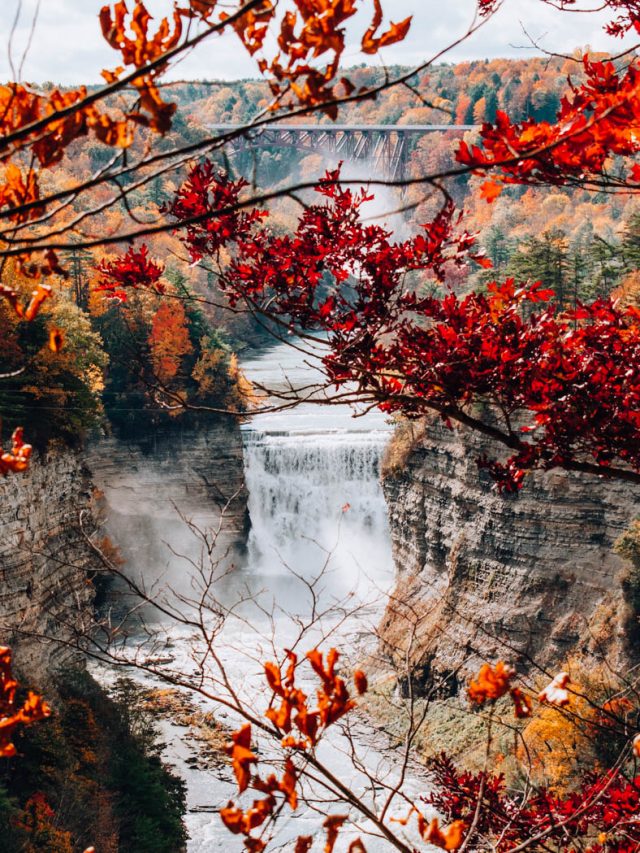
(333, 824)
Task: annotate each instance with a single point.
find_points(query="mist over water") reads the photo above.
(385, 206)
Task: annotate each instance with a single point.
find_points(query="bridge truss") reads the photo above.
(384, 147)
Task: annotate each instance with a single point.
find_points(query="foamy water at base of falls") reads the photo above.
(319, 539)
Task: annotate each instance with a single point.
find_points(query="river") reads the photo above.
(318, 544)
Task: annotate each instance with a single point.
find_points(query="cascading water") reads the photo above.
(315, 500)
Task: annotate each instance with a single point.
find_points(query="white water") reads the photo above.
(319, 538)
(314, 493)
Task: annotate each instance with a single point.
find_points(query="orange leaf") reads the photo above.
(240, 822)
(491, 683)
(11, 716)
(274, 677)
(280, 717)
(42, 292)
(333, 825)
(56, 340)
(490, 191)
(241, 756)
(233, 818)
(450, 838)
(395, 33)
(522, 703)
(288, 784)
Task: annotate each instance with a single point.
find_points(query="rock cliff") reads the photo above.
(144, 493)
(485, 576)
(45, 592)
(158, 495)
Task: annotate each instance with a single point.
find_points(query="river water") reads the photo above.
(318, 561)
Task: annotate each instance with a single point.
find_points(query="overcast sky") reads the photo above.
(68, 48)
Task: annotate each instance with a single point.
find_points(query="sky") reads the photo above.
(67, 46)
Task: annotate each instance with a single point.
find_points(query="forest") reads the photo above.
(319, 472)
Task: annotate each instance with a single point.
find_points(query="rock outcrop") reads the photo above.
(45, 592)
(528, 577)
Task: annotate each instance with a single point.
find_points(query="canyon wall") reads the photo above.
(161, 498)
(481, 576)
(45, 591)
(141, 495)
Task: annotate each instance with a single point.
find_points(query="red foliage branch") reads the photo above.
(205, 192)
(596, 121)
(560, 388)
(129, 272)
(606, 807)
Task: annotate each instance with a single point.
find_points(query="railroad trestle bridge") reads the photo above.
(385, 147)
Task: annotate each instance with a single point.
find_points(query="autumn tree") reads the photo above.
(572, 150)
(169, 340)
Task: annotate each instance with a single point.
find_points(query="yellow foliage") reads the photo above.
(206, 371)
(245, 388)
(556, 744)
(95, 379)
(560, 744)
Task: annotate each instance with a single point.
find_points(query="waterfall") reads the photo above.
(315, 499)
(316, 496)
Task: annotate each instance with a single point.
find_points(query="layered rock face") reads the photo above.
(160, 497)
(145, 496)
(483, 576)
(45, 592)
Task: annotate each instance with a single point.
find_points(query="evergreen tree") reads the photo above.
(544, 259)
(606, 266)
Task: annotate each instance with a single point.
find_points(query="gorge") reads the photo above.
(298, 499)
(259, 590)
